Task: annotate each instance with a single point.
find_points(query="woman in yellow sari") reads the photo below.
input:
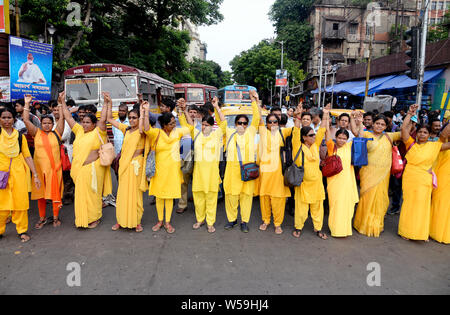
(342, 189)
(132, 180)
(374, 177)
(17, 160)
(309, 196)
(92, 180)
(47, 158)
(206, 178)
(237, 192)
(166, 183)
(415, 216)
(440, 205)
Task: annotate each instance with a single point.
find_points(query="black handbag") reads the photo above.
(249, 171)
(293, 176)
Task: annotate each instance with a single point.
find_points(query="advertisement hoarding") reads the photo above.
(4, 89)
(4, 16)
(30, 68)
(281, 78)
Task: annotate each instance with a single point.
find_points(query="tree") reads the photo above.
(439, 31)
(258, 65)
(210, 73)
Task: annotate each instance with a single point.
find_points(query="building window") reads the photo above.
(335, 26)
(440, 5)
(368, 29)
(433, 5)
(353, 28)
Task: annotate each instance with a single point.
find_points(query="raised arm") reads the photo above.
(32, 129)
(60, 123)
(356, 123)
(109, 115)
(67, 115)
(326, 118)
(145, 117)
(445, 134)
(101, 124)
(407, 125)
(219, 115)
(256, 109)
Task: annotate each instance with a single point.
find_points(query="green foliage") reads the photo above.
(439, 31)
(258, 65)
(210, 73)
(140, 33)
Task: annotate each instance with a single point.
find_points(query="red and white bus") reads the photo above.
(84, 84)
(194, 93)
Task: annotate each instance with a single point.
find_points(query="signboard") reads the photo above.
(4, 16)
(30, 68)
(4, 89)
(281, 78)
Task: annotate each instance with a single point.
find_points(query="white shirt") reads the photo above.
(32, 75)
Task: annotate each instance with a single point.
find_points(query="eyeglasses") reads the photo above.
(311, 135)
(272, 122)
(132, 118)
(242, 123)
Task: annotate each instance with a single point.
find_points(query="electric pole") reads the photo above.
(369, 60)
(320, 73)
(422, 53)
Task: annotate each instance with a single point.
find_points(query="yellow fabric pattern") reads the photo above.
(272, 205)
(15, 196)
(166, 184)
(415, 216)
(440, 205)
(19, 218)
(129, 201)
(164, 204)
(374, 198)
(342, 193)
(205, 206)
(91, 181)
(232, 203)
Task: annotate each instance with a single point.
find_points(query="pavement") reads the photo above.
(192, 262)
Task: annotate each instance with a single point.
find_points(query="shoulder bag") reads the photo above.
(249, 171)
(106, 152)
(150, 166)
(397, 161)
(332, 165)
(65, 161)
(293, 176)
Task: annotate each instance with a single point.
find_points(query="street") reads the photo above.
(225, 263)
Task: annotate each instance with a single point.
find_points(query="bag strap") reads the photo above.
(193, 142)
(389, 138)
(156, 142)
(57, 137)
(282, 137)
(229, 140)
(239, 153)
(101, 140)
(303, 155)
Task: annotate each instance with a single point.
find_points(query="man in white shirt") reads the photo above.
(118, 135)
(30, 73)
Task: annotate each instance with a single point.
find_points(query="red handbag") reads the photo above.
(65, 161)
(332, 164)
(398, 164)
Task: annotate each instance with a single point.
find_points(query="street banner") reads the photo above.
(281, 78)
(4, 16)
(4, 89)
(30, 69)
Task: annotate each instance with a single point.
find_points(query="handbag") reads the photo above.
(150, 166)
(359, 151)
(286, 151)
(332, 165)
(4, 176)
(249, 171)
(65, 161)
(188, 165)
(106, 152)
(293, 176)
(397, 161)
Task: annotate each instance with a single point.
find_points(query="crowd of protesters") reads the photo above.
(194, 146)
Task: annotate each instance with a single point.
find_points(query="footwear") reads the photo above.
(139, 228)
(169, 228)
(296, 233)
(211, 229)
(244, 227)
(157, 227)
(198, 225)
(110, 200)
(24, 237)
(181, 210)
(94, 224)
(56, 223)
(40, 224)
(263, 226)
(115, 227)
(278, 230)
(230, 225)
(321, 235)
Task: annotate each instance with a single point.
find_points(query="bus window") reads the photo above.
(82, 89)
(180, 93)
(120, 87)
(233, 96)
(195, 95)
(245, 96)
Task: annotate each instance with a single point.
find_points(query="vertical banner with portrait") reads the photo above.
(4, 89)
(30, 68)
(281, 78)
(4, 16)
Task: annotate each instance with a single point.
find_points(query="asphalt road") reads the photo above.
(226, 262)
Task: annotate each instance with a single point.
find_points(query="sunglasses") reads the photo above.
(242, 123)
(311, 135)
(273, 122)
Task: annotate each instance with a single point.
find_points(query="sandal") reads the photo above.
(297, 233)
(40, 224)
(278, 230)
(198, 225)
(321, 235)
(115, 227)
(263, 226)
(56, 223)
(24, 237)
(139, 228)
(94, 224)
(169, 228)
(157, 227)
(211, 229)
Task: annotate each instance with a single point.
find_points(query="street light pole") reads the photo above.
(281, 88)
(422, 54)
(320, 74)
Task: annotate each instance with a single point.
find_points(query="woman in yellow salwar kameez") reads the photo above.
(309, 196)
(440, 204)
(415, 216)
(342, 189)
(374, 177)
(207, 152)
(132, 180)
(166, 183)
(237, 192)
(17, 160)
(272, 191)
(92, 180)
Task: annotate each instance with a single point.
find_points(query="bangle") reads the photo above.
(26, 109)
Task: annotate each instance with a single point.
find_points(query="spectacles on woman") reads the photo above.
(242, 123)
(311, 135)
(272, 122)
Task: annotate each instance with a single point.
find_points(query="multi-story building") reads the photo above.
(438, 8)
(344, 31)
(197, 49)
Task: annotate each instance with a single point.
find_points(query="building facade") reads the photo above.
(197, 49)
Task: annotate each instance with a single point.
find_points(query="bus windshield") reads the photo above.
(245, 96)
(195, 95)
(233, 96)
(82, 89)
(120, 87)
